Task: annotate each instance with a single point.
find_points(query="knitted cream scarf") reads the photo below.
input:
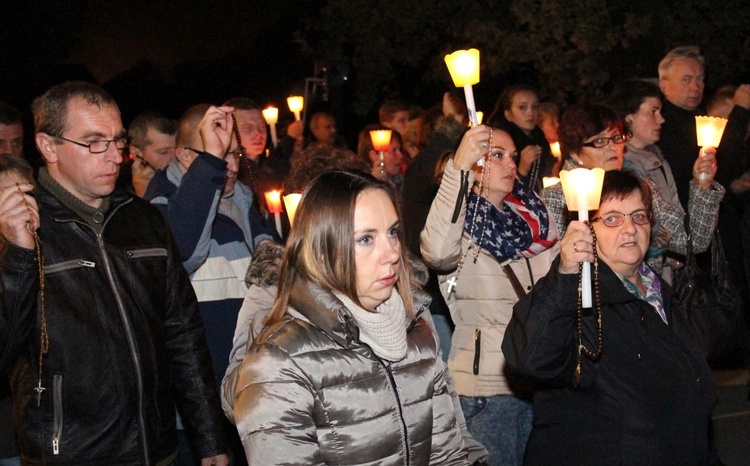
(384, 330)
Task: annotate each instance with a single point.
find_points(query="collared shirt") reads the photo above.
(653, 290)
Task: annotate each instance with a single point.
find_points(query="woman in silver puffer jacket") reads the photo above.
(347, 370)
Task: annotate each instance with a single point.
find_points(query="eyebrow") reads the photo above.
(374, 230)
(618, 212)
(99, 134)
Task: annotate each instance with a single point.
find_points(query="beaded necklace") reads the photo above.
(43, 335)
(483, 183)
(592, 355)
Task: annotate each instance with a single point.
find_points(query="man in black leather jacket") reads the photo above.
(109, 342)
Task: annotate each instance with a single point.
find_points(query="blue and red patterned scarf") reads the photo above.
(521, 229)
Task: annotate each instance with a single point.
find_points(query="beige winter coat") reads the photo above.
(481, 304)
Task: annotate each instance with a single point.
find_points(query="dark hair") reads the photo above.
(242, 103)
(580, 122)
(364, 142)
(722, 94)
(12, 163)
(619, 184)
(139, 128)
(9, 115)
(317, 116)
(317, 159)
(628, 96)
(51, 108)
(390, 107)
(320, 247)
(505, 102)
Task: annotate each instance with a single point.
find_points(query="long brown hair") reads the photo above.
(320, 247)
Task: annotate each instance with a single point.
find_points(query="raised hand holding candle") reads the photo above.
(463, 66)
(709, 131)
(583, 189)
(273, 201)
(296, 104)
(271, 115)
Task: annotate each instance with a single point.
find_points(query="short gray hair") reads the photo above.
(680, 53)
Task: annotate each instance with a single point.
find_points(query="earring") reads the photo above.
(580, 162)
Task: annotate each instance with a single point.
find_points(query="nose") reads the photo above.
(233, 164)
(391, 252)
(113, 154)
(628, 226)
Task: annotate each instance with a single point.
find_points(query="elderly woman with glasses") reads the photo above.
(592, 136)
(626, 381)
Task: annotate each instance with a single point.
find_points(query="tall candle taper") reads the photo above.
(463, 66)
(583, 189)
(273, 201)
(271, 115)
(296, 103)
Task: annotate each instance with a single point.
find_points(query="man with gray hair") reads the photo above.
(97, 316)
(682, 81)
(11, 130)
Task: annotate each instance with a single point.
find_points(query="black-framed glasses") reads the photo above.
(615, 219)
(100, 145)
(603, 142)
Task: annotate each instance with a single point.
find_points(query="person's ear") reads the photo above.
(47, 147)
(507, 114)
(629, 120)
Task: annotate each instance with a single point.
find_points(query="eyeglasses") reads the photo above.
(101, 145)
(603, 142)
(615, 219)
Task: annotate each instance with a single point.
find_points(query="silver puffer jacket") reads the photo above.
(309, 392)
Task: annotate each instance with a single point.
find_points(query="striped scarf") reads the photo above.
(521, 229)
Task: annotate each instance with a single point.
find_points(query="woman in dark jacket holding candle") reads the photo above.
(624, 382)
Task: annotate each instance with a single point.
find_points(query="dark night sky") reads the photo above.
(153, 50)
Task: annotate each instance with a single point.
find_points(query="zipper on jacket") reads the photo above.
(477, 349)
(389, 370)
(148, 252)
(131, 343)
(68, 265)
(57, 424)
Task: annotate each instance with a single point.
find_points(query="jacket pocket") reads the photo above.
(57, 407)
(68, 265)
(146, 252)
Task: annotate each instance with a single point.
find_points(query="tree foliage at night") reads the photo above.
(571, 50)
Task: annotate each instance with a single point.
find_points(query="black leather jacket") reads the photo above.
(126, 341)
